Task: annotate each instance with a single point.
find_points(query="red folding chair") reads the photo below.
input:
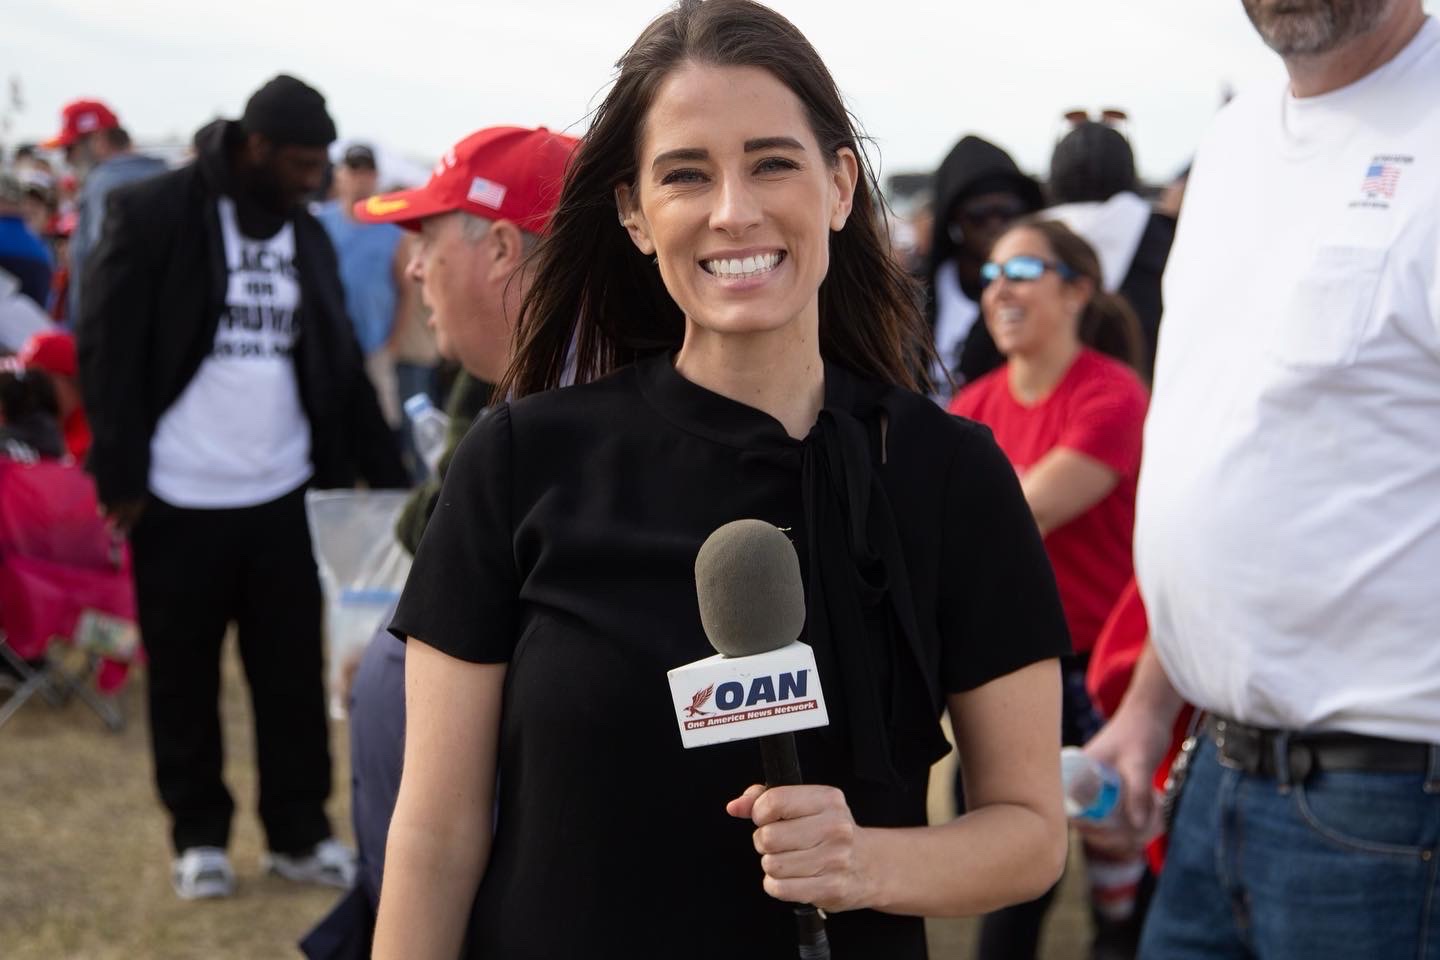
(63, 575)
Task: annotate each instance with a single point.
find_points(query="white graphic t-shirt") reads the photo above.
(238, 436)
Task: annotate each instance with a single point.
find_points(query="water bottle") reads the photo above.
(428, 429)
(1092, 789)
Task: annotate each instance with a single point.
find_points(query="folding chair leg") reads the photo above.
(108, 711)
(31, 686)
(32, 681)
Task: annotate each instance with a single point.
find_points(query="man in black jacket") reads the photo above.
(979, 192)
(222, 378)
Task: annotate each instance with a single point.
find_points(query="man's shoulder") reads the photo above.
(171, 186)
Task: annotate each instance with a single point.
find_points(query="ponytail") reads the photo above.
(1110, 326)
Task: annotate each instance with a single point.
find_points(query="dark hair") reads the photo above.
(1091, 164)
(26, 393)
(1109, 323)
(118, 137)
(593, 287)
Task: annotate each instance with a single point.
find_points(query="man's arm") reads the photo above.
(1134, 742)
(112, 339)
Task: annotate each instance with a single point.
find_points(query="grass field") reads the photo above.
(84, 855)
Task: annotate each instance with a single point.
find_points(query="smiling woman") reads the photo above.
(717, 278)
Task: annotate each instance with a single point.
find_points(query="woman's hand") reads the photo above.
(810, 847)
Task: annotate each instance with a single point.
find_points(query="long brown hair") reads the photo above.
(1108, 323)
(592, 288)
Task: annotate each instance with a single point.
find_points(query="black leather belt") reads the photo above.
(1264, 753)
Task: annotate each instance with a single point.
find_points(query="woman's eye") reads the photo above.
(683, 176)
(776, 165)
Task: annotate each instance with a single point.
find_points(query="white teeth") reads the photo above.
(738, 269)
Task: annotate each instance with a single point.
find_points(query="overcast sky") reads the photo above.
(419, 74)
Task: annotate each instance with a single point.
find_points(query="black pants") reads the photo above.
(195, 572)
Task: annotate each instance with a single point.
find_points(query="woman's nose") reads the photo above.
(737, 209)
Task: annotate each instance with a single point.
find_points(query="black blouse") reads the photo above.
(564, 545)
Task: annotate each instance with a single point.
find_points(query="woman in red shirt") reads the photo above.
(1067, 408)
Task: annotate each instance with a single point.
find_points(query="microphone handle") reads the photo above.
(782, 769)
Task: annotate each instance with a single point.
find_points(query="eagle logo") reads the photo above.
(699, 700)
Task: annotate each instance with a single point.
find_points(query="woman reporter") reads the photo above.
(745, 348)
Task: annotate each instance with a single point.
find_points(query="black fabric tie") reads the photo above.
(861, 621)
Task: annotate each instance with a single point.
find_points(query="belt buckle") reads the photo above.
(1228, 745)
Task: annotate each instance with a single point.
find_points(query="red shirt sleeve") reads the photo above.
(1107, 417)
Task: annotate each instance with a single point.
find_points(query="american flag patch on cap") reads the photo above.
(487, 193)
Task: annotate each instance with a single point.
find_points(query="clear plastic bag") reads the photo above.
(362, 569)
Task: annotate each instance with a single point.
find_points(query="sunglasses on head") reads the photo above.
(1022, 269)
(1110, 116)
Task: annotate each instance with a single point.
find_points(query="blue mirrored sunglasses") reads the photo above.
(1022, 268)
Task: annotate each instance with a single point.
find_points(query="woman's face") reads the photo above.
(735, 199)
(1030, 316)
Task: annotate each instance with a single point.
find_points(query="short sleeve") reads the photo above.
(1106, 422)
(999, 607)
(462, 593)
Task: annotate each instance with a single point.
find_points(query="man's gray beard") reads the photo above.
(1308, 27)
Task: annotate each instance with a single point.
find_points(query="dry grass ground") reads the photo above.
(84, 856)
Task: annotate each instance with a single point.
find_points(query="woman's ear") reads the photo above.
(844, 174)
(633, 220)
(1084, 291)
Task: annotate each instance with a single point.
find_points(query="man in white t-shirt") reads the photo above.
(1288, 526)
(222, 377)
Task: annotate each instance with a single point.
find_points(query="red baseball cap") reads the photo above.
(79, 118)
(52, 351)
(499, 173)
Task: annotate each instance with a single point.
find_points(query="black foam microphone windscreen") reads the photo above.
(747, 580)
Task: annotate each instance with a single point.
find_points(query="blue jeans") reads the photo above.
(1340, 866)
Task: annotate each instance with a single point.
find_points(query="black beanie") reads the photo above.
(289, 112)
(1091, 164)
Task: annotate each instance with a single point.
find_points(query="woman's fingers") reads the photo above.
(743, 805)
(808, 844)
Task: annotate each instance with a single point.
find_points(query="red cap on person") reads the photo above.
(52, 351)
(499, 173)
(79, 118)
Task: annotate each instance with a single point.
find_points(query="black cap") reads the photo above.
(1091, 164)
(289, 112)
(359, 156)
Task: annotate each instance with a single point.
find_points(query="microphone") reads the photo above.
(762, 683)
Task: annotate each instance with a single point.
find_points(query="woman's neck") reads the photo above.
(1034, 375)
(778, 372)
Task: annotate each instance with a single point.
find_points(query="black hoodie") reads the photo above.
(973, 166)
(154, 291)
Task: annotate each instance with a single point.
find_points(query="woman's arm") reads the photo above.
(1008, 848)
(441, 832)
(1064, 484)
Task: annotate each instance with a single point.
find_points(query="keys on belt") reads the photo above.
(1266, 753)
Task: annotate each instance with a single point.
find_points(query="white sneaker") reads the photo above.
(202, 873)
(330, 864)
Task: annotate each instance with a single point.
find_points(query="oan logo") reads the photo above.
(767, 695)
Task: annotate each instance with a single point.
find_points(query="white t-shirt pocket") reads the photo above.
(1329, 309)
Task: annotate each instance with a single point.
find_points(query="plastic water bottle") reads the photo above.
(428, 428)
(1092, 789)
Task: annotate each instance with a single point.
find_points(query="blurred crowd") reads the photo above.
(330, 297)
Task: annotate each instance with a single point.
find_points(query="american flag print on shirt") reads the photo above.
(1380, 180)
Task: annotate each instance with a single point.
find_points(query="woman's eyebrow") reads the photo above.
(688, 154)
